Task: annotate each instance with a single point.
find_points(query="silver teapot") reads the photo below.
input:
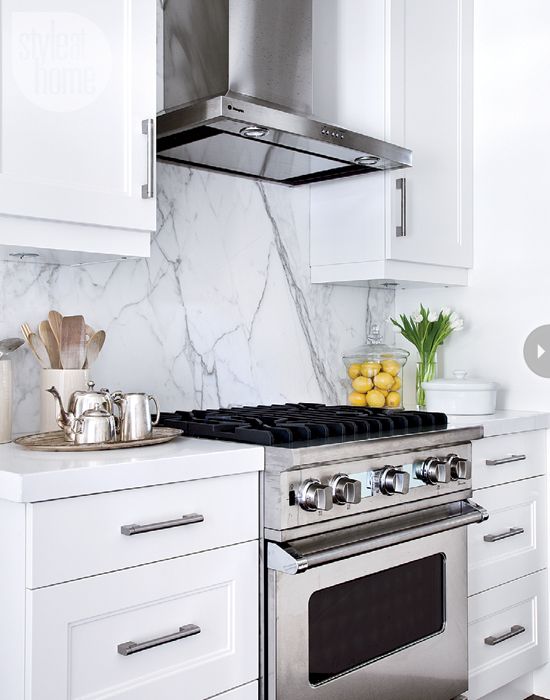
(95, 425)
(79, 403)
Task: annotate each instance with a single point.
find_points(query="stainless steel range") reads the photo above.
(365, 549)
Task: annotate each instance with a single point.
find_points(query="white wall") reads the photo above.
(509, 292)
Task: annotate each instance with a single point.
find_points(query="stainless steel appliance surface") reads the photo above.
(365, 548)
(238, 96)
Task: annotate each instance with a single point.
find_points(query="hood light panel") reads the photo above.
(254, 132)
(367, 160)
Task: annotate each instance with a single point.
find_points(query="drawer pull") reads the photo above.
(505, 460)
(512, 532)
(128, 648)
(498, 639)
(167, 524)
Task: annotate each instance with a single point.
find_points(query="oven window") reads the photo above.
(358, 621)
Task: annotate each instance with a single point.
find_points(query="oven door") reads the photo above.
(376, 611)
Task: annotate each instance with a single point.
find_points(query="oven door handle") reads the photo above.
(287, 559)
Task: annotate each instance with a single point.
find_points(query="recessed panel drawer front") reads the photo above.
(512, 543)
(77, 537)
(507, 633)
(499, 460)
(185, 628)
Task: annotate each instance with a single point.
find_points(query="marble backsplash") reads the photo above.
(222, 313)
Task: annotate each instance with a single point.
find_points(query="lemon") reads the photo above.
(357, 399)
(396, 384)
(391, 367)
(354, 371)
(393, 399)
(375, 399)
(383, 381)
(370, 369)
(384, 392)
(362, 384)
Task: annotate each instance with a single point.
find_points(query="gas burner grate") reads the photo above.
(301, 424)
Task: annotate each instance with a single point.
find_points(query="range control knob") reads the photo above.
(345, 490)
(460, 468)
(392, 480)
(432, 471)
(313, 495)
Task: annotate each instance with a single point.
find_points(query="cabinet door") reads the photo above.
(430, 97)
(183, 628)
(78, 80)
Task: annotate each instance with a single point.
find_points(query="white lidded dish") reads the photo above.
(461, 396)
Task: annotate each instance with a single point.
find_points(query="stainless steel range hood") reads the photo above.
(238, 94)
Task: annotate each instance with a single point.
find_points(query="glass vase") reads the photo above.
(426, 370)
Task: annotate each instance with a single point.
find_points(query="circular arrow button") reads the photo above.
(536, 351)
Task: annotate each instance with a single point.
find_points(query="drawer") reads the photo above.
(521, 607)
(512, 543)
(74, 630)
(77, 537)
(250, 691)
(498, 460)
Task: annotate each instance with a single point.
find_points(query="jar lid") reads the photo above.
(461, 382)
(376, 351)
(374, 348)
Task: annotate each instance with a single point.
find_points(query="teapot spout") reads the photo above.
(65, 420)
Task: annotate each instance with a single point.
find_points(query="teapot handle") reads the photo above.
(157, 408)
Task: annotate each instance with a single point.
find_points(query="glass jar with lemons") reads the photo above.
(375, 372)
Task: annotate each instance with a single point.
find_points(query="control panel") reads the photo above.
(342, 489)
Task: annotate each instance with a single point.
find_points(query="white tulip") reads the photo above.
(457, 324)
(446, 311)
(433, 316)
(453, 317)
(417, 318)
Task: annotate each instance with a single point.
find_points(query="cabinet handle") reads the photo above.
(401, 230)
(512, 532)
(128, 648)
(499, 638)
(167, 524)
(505, 460)
(148, 128)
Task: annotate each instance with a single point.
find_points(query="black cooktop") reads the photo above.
(301, 424)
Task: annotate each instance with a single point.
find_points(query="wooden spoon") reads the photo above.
(29, 335)
(72, 348)
(47, 335)
(39, 350)
(55, 319)
(93, 348)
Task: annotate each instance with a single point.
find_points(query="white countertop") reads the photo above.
(27, 476)
(504, 422)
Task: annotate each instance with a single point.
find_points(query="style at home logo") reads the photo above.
(61, 60)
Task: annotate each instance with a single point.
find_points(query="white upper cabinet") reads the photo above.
(78, 92)
(401, 72)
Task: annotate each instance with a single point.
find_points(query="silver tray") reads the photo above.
(56, 442)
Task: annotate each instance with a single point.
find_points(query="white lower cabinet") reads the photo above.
(75, 630)
(507, 564)
(140, 594)
(512, 543)
(507, 631)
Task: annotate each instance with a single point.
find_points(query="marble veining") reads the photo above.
(223, 312)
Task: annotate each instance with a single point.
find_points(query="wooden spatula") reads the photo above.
(50, 341)
(93, 348)
(55, 319)
(72, 348)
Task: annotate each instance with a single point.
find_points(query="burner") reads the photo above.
(301, 424)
